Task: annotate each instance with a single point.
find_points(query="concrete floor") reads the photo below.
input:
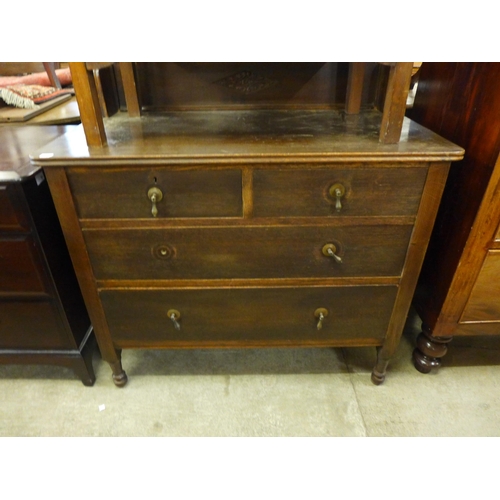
(265, 392)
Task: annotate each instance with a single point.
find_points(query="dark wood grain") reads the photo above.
(483, 304)
(43, 318)
(221, 253)
(434, 186)
(368, 191)
(21, 266)
(76, 245)
(249, 316)
(237, 257)
(456, 290)
(395, 102)
(113, 193)
(88, 103)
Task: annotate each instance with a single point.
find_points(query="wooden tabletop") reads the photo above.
(247, 136)
(16, 144)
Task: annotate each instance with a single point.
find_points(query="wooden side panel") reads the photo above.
(31, 325)
(484, 301)
(429, 204)
(20, 269)
(10, 218)
(76, 245)
(461, 102)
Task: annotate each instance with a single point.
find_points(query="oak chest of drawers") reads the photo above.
(248, 228)
(43, 319)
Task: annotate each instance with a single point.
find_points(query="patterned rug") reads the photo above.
(30, 96)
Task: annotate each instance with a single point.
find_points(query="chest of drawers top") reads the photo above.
(274, 137)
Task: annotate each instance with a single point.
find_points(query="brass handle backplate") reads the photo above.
(155, 195)
(337, 192)
(330, 250)
(321, 313)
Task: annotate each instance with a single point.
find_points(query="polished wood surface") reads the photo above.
(483, 304)
(44, 319)
(460, 101)
(220, 138)
(223, 252)
(252, 267)
(88, 103)
(163, 87)
(254, 317)
(383, 191)
(112, 193)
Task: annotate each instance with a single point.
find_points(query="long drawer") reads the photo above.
(123, 193)
(337, 191)
(248, 252)
(274, 315)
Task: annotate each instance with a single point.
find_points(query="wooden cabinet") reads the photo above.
(458, 292)
(300, 228)
(43, 318)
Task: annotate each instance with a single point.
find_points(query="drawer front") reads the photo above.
(280, 315)
(362, 191)
(31, 325)
(123, 193)
(248, 252)
(20, 267)
(10, 218)
(484, 300)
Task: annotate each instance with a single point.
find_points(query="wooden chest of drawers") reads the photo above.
(43, 319)
(248, 229)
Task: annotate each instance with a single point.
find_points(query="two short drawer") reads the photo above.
(217, 192)
(286, 316)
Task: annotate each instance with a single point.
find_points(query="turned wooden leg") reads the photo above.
(119, 376)
(378, 373)
(429, 351)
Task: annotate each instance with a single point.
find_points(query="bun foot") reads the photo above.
(423, 363)
(120, 380)
(429, 351)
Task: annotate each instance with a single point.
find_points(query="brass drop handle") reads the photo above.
(337, 191)
(321, 313)
(330, 250)
(155, 195)
(174, 315)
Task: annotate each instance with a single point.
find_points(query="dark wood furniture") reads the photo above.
(251, 224)
(43, 318)
(458, 291)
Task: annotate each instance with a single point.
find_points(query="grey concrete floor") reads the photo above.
(261, 392)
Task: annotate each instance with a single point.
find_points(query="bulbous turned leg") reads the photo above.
(119, 376)
(429, 351)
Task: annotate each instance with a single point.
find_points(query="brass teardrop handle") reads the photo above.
(174, 316)
(330, 250)
(337, 191)
(155, 195)
(321, 313)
